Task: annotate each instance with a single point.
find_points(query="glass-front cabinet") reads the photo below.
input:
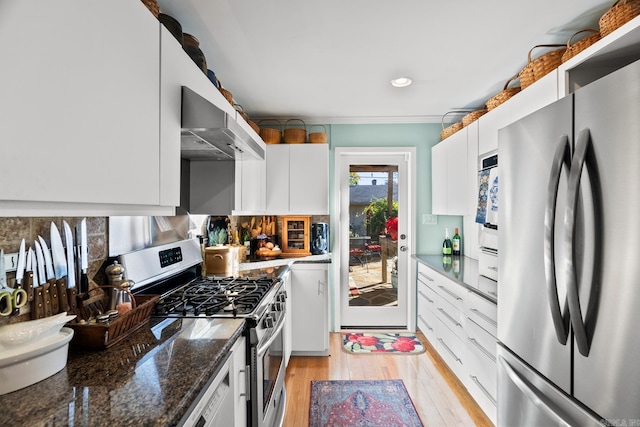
(295, 236)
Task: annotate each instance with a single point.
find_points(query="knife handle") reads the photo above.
(84, 283)
(37, 307)
(62, 295)
(46, 299)
(28, 286)
(53, 292)
(72, 294)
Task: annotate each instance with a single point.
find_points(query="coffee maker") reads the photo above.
(319, 238)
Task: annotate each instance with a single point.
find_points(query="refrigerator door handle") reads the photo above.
(561, 158)
(573, 189)
(536, 397)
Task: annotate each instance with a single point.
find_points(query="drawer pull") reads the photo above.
(482, 349)
(493, 268)
(425, 276)
(425, 322)
(495, 294)
(451, 319)
(484, 390)
(450, 293)
(484, 316)
(426, 297)
(446, 347)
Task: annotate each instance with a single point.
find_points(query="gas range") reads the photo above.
(219, 297)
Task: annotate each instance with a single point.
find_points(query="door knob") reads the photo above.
(403, 248)
(403, 236)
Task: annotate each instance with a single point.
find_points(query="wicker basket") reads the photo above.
(580, 45)
(473, 116)
(619, 14)
(504, 95)
(318, 137)
(541, 66)
(254, 126)
(450, 130)
(270, 135)
(153, 7)
(227, 94)
(295, 135)
(99, 336)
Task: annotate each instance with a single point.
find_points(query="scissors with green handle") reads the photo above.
(10, 299)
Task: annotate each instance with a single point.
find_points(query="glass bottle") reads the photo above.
(446, 245)
(456, 242)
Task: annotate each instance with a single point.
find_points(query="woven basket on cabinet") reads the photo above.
(153, 7)
(580, 45)
(541, 66)
(619, 14)
(318, 137)
(450, 130)
(504, 95)
(295, 135)
(473, 116)
(269, 135)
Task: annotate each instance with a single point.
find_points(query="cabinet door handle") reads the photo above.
(484, 316)
(482, 349)
(446, 347)
(450, 293)
(247, 383)
(493, 268)
(484, 390)
(320, 287)
(426, 277)
(425, 322)
(425, 296)
(451, 319)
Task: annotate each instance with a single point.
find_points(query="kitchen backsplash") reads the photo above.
(14, 229)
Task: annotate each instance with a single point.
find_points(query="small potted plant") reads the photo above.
(392, 227)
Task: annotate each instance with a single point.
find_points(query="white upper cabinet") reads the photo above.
(79, 119)
(298, 179)
(450, 187)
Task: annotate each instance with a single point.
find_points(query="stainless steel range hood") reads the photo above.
(210, 133)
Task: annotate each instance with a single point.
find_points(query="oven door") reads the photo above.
(268, 369)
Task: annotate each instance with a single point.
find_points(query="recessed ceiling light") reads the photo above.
(401, 82)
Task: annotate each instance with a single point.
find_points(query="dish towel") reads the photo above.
(483, 194)
(492, 202)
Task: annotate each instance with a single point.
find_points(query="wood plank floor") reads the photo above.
(437, 395)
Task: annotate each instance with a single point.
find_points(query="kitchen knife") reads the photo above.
(83, 251)
(60, 268)
(43, 285)
(22, 262)
(28, 280)
(51, 277)
(37, 308)
(71, 278)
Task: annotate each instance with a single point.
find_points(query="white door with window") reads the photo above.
(374, 185)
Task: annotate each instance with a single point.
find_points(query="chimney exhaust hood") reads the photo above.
(210, 133)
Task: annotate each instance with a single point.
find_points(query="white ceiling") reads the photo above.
(332, 61)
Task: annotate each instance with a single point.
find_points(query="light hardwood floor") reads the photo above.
(437, 395)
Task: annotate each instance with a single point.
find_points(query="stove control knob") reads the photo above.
(268, 321)
(282, 297)
(276, 306)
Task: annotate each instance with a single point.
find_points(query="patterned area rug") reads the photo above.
(366, 343)
(361, 403)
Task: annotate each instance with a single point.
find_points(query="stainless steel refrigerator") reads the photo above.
(569, 267)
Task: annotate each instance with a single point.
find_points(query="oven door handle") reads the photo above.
(276, 330)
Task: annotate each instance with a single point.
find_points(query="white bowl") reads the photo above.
(32, 331)
(25, 365)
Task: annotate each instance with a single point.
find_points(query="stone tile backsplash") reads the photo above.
(14, 229)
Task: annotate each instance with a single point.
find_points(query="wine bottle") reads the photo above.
(446, 245)
(456, 242)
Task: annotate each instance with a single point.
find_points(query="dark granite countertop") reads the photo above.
(468, 275)
(149, 379)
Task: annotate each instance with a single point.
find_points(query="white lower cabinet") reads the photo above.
(462, 326)
(239, 386)
(310, 309)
